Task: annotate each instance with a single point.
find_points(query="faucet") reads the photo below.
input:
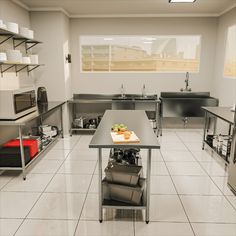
(144, 91)
(122, 91)
(187, 89)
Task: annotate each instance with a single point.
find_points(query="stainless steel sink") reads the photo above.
(185, 94)
(185, 104)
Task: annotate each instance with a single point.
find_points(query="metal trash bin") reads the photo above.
(122, 193)
(123, 174)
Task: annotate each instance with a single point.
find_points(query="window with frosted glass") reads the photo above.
(140, 53)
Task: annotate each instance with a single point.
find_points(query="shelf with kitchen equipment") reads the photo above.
(218, 143)
(49, 135)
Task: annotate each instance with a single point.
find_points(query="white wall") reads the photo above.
(52, 28)
(224, 88)
(155, 82)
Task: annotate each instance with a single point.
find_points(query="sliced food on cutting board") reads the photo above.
(121, 138)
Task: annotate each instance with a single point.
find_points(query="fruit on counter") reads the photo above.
(127, 134)
(119, 128)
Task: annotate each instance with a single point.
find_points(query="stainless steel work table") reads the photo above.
(42, 110)
(110, 100)
(138, 122)
(223, 113)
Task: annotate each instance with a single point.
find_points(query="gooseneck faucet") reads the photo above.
(187, 89)
(122, 91)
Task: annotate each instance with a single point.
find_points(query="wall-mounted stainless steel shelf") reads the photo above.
(6, 66)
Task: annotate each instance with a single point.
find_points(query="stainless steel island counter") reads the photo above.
(138, 122)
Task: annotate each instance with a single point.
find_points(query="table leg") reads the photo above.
(204, 132)
(22, 154)
(215, 125)
(160, 118)
(100, 193)
(230, 127)
(148, 179)
(61, 112)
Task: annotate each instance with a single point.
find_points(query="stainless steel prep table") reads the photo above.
(39, 114)
(141, 103)
(222, 113)
(139, 123)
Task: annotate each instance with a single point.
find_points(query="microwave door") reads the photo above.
(22, 102)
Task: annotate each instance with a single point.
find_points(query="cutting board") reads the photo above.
(119, 138)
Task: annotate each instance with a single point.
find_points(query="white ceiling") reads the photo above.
(83, 8)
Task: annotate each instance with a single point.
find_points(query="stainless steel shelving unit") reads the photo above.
(139, 123)
(223, 113)
(21, 122)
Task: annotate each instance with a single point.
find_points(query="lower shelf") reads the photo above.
(225, 158)
(82, 129)
(34, 159)
(121, 205)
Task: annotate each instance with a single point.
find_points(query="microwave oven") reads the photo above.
(17, 103)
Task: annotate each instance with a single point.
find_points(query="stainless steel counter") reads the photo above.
(98, 103)
(41, 110)
(39, 114)
(223, 113)
(134, 120)
(139, 123)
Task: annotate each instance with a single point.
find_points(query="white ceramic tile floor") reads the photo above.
(195, 185)
(214, 229)
(94, 228)
(221, 183)
(167, 208)
(162, 185)
(203, 156)
(177, 156)
(46, 166)
(54, 154)
(232, 200)
(185, 168)
(9, 226)
(163, 229)
(58, 206)
(60, 195)
(214, 168)
(211, 209)
(34, 183)
(16, 204)
(69, 183)
(47, 228)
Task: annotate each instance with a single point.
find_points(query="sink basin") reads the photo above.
(145, 98)
(185, 104)
(122, 98)
(185, 95)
